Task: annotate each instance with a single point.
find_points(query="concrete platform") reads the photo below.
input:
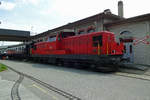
(85, 84)
(6, 84)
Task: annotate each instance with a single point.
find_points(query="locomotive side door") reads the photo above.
(128, 51)
(97, 44)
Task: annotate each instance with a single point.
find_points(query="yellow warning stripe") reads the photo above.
(143, 77)
(44, 91)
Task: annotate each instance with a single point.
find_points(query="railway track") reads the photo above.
(46, 85)
(135, 76)
(15, 89)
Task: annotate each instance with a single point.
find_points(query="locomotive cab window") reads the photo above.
(97, 40)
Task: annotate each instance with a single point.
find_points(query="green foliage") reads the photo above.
(3, 67)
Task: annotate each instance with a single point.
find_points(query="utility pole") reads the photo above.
(0, 4)
(2, 43)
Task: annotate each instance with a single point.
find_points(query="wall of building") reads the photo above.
(97, 25)
(138, 31)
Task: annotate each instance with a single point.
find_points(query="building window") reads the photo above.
(52, 38)
(81, 31)
(91, 29)
(130, 48)
(124, 49)
(67, 34)
(46, 38)
(125, 32)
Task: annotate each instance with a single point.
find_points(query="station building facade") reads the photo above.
(135, 33)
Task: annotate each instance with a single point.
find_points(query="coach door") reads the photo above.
(128, 51)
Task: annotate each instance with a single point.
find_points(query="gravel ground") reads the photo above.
(84, 84)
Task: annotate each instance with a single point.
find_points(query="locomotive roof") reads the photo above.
(103, 32)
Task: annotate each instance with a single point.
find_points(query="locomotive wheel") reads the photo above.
(78, 65)
(68, 64)
(60, 63)
(92, 66)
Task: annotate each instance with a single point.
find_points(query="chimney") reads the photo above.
(120, 8)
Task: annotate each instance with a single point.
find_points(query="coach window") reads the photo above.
(96, 40)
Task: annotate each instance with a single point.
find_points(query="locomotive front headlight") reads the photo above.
(114, 51)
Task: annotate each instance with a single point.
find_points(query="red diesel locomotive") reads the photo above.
(97, 48)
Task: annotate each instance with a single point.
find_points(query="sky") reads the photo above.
(41, 15)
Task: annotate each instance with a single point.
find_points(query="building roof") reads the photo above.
(11, 32)
(13, 35)
(2, 47)
(129, 20)
(80, 22)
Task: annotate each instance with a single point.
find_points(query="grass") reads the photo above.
(3, 67)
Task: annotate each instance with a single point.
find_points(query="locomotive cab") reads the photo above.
(105, 44)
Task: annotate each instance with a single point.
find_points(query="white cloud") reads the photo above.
(7, 5)
(78, 9)
(34, 2)
(14, 26)
(24, 26)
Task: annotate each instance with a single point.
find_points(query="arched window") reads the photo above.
(81, 31)
(125, 32)
(90, 29)
(126, 36)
